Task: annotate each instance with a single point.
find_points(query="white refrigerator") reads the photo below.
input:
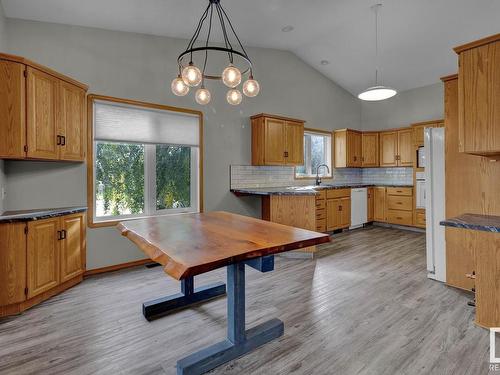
(435, 203)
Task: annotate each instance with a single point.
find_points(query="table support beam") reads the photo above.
(189, 296)
(239, 341)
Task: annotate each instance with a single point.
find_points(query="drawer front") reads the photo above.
(396, 202)
(320, 214)
(321, 225)
(320, 205)
(399, 217)
(338, 193)
(420, 219)
(408, 191)
(321, 195)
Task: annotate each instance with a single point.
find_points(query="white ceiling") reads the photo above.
(416, 36)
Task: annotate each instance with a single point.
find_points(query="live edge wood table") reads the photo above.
(192, 244)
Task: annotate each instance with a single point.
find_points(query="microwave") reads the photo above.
(421, 157)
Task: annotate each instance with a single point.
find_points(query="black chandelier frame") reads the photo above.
(228, 47)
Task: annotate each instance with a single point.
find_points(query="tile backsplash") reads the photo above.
(247, 176)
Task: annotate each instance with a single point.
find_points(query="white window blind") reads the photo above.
(118, 122)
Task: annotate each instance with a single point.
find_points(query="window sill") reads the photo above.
(114, 222)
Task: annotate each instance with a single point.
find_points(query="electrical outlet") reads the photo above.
(3, 193)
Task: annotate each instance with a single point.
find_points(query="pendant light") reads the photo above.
(239, 64)
(377, 92)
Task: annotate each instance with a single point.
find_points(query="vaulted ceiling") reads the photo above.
(416, 36)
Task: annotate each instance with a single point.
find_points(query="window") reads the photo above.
(145, 160)
(317, 151)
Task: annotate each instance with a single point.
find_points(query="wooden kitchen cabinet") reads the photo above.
(379, 204)
(277, 140)
(388, 149)
(399, 206)
(39, 259)
(347, 148)
(43, 256)
(370, 150)
(42, 112)
(370, 204)
(396, 148)
(418, 130)
(338, 209)
(479, 97)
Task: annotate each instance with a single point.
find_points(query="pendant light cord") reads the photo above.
(376, 8)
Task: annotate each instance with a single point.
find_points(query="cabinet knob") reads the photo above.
(340, 208)
(285, 154)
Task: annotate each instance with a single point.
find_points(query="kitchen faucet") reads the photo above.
(318, 179)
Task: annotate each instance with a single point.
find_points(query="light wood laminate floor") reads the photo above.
(364, 306)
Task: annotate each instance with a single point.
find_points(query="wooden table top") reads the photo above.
(190, 244)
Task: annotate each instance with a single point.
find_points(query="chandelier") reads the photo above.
(239, 64)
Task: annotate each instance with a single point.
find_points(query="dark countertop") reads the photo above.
(486, 223)
(38, 214)
(306, 190)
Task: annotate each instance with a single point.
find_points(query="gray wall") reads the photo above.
(417, 105)
(141, 67)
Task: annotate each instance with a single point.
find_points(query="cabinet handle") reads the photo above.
(63, 234)
(286, 154)
(58, 140)
(340, 208)
(63, 140)
(59, 235)
(355, 158)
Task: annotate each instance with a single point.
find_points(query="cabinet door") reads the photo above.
(42, 104)
(369, 150)
(379, 204)
(405, 148)
(43, 256)
(294, 143)
(72, 246)
(12, 110)
(388, 149)
(418, 135)
(479, 100)
(12, 263)
(333, 216)
(353, 149)
(72, 122)
(274, 142)
(370, 201)
(345, 212)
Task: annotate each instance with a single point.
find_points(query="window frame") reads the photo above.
(317, 132)
(149, 167)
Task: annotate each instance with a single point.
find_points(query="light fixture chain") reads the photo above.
(234, 32)
(198, 30)
(208, 40)
(224, 32)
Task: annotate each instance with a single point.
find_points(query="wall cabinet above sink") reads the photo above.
(277, 140)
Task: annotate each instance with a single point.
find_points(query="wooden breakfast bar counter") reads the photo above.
(191, 244)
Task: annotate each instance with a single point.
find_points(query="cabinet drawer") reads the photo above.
(338, 193)
(320, 204)
(399, 217)
(321, 225)
(320, 214)
(420, 219)
(396, 202)
(321, 194)
(408, 191)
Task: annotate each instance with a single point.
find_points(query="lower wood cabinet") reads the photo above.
(399, 205)
(379, 204)
(39, 259)
(338, 209)
(370, 203)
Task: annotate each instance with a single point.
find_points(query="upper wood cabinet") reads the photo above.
(418, 130)
(370, 150)
(396, 148)
(277, 140)
(42, 112)
(479, 97)
(347, 148)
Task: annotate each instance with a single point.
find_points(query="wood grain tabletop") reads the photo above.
(190, 244)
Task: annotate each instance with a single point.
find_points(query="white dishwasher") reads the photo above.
(359, 207)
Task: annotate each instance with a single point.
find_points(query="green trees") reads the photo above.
(120, 172)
